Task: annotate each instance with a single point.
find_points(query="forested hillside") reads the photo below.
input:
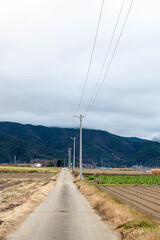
(28, 141)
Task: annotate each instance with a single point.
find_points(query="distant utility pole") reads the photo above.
(15, 160)
(74, 152)
(64, 162)
(80, 147)
(102, 162)
(69, 157)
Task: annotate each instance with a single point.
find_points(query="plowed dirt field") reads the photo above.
(144, 198)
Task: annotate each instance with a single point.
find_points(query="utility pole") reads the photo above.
(80, 147)
(74, 152)
(69, 157)
(15, 160)
(64, 162)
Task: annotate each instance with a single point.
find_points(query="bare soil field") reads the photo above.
(145, 199)
(20, 193)
(8, 183)
(26, 175)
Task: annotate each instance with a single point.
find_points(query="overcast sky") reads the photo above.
(45, 47)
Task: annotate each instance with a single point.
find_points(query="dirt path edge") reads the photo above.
(12, 220)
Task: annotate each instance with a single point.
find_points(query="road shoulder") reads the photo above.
(130, 223)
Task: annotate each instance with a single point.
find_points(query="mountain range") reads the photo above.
(28, 141)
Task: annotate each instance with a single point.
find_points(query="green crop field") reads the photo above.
(124, 180)
(27, 169)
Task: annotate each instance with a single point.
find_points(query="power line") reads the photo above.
(106, 56)
(89, 108)
(90, 61)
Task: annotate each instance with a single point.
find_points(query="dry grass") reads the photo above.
(149, 236)
(156, 172)
(130, 223)
(113, 171)
(109, 209)
(28, 169)
(121, 169)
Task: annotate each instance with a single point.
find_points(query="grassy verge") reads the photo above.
(27, 169)
(129, 222)
(113, 171)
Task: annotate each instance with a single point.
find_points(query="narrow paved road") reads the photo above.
(64, 215)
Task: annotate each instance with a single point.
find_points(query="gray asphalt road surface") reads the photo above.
(64, 215)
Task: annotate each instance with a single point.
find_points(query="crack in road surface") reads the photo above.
(64, 215)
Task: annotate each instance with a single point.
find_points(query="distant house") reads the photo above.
(38, 165)
(89, 166)
(44, 162)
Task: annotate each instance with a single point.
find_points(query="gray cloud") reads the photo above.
(45, 48)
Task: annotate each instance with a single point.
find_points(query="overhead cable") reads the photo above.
(90, 61)
(106, 56)
(116, 46)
